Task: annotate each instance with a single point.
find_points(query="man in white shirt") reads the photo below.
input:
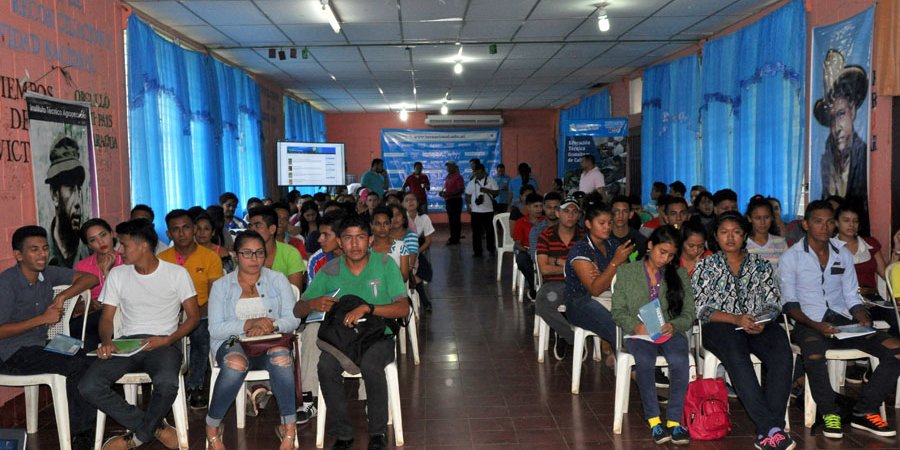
(591, 178)
(149, 294)
(479, 197)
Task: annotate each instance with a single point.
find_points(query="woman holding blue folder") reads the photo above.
(653, 303)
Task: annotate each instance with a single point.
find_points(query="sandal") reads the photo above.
(215, 442)
(286, 437)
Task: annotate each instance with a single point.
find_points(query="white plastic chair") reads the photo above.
(581, 336)
(624, 361)
(506, 245)
(56, 383)
(394, 414)
(133, 380)
(538, 282)
(890, 293)
(412, 326)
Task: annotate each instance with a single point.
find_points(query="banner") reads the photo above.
(840, 110)
(400, 149)
(65, 182)
(603, 138)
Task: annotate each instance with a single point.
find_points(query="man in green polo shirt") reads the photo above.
(280, 257)
(376, 279)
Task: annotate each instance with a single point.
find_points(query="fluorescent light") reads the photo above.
(380, 91)
(333, 77)
(603, 20)
(444, 109)
(458, 68)
(332, 18)
(414, 90)
(404, 114)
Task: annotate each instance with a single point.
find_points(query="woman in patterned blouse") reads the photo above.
(734, 290)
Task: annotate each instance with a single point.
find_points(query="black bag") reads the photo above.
(349, 344)
(424, 271)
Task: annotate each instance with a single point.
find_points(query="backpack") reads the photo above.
(706, 409)
(349, 344)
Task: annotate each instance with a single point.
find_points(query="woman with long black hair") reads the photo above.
(658, 278)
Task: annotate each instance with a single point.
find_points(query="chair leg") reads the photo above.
(31, 408)
(393, 383)
(414, 339)
(897, 396)
(240, 406)
(623, 385)
(320, 421)
(809, 405)
(537, 326)
(576, 359)
(61, 412)
(710, 363)
(101, 428)
(499, 264)
(598, 352)
(515, 270)
(543, 337)
(402, 340)
(179, 411)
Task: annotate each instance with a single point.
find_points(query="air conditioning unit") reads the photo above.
(464, 120)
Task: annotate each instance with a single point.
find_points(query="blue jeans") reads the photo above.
(164, 367)
(197, 363)
(587, 313)
(229, 381)
(677, 354)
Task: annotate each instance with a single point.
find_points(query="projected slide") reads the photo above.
(310, 164)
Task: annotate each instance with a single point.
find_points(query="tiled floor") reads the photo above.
(479, 384)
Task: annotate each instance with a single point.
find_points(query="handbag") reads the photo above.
(261, 346)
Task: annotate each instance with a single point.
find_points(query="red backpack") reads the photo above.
(706, 409)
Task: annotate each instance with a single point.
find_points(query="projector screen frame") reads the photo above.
(280, 159)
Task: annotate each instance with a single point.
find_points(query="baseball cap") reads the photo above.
(569, 201)
(65, 160)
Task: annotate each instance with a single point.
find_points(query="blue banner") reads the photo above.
(401, 148)
(603, 138)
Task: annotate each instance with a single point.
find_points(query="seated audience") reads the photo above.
(251, 301)
(217, 216)
(520, 231)
(309, 226)
(151, 294)
(820, 294)
(377, 280)
(204, 266)
(591, 265)
(520, 209)
(228, 201)
(98, 236)
(622, 216)
(141, 211)
(677, 189)
(778, 221)
(384, 244)
(693, 246)
(552, 249)
(282, 234)
(400, 233)
(252, 202)
(695, 190)
(661, 218)
(724, 200)
(280, 257)
(763, 239)
(640, 216)
(657, 190)
(658, 277)
(702, 211)
(420, 224)
(27, 308)
(676, 212)
(209, 236)
(867, 257)
(393, 198)
(733, 289)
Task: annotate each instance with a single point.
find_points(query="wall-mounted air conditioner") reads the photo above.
(464, 120)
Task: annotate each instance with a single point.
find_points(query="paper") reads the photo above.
(245, 338)
(852, 331)
(66, 345)
(125, 347)
(318, 316)
(652, 317)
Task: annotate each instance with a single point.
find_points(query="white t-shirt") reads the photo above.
(591, 181)
(474, 189)
(149, 304)
(422, 225)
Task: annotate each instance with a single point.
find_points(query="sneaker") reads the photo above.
(560, 347)
(662, 400)
(680, 435)
(377, 442)
(832, 426)
(660, 434)
(873, 423)
(306, 412)
(778, 441)
(662, 381)
(855, 374)
(167, 435)
(196, 399)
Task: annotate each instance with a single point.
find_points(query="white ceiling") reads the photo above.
(549, 52)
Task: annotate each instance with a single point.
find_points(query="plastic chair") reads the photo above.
(624, 361)
(56, 383)
(412, 326)
(133, 380)
(506, 245)
(890, 293)
(394, 414)
(538, 282)
(581, 336)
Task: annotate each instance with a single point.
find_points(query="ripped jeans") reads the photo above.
(813, 346)
(228, 383)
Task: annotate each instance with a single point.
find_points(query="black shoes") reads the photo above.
(196, 399)
(377, 442)
(873, 423)
(342, 444)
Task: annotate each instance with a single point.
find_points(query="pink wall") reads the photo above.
(29, 33)
(527, 135)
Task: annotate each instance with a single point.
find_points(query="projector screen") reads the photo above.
(310, 164)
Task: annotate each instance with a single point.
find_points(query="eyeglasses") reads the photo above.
(247, 254)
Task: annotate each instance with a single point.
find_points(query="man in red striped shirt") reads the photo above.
(454, 186)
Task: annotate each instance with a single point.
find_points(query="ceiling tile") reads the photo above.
(205, 35)
(411, 10)
(501, 30)
(323, 54)
(583, 51)
(384, 54)
(250, 35)
(316, 33)
(292, 12)
(555, 9)
(747, 8)
(551, 29)
(372, 32)
(169, 12)
(431, 31)
(636, 9)
(661, 27)
(489, 10)
(692, 8)
(533, 51)
(617, 26)
(227, 12)
(353, 11)
(712, 25)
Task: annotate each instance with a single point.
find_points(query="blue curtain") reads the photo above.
(194, 128)
(753, 109)
(595, 106)
(670, 141)
(303, 123)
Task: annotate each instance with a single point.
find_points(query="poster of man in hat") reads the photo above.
(62, 169)
(839, 128)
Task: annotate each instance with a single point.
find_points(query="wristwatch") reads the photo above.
(371, 308)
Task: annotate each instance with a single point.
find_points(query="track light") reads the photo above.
(293, 53)
(281, 55)
(272, 53)
(603, 20)
(404, 114)
(444, 109)
(332, 18)
(458, 68)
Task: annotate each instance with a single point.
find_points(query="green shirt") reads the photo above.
(287, 259)
(379, 283)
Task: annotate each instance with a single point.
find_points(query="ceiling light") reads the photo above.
(293, 53)
(603, 20)
(414, 90)
(380, 91)
(444, 109)
(332, 77)
(332, 18)
(457, 68)
(404, 114)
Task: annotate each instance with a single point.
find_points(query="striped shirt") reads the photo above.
(316, 262)
(550, 244)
